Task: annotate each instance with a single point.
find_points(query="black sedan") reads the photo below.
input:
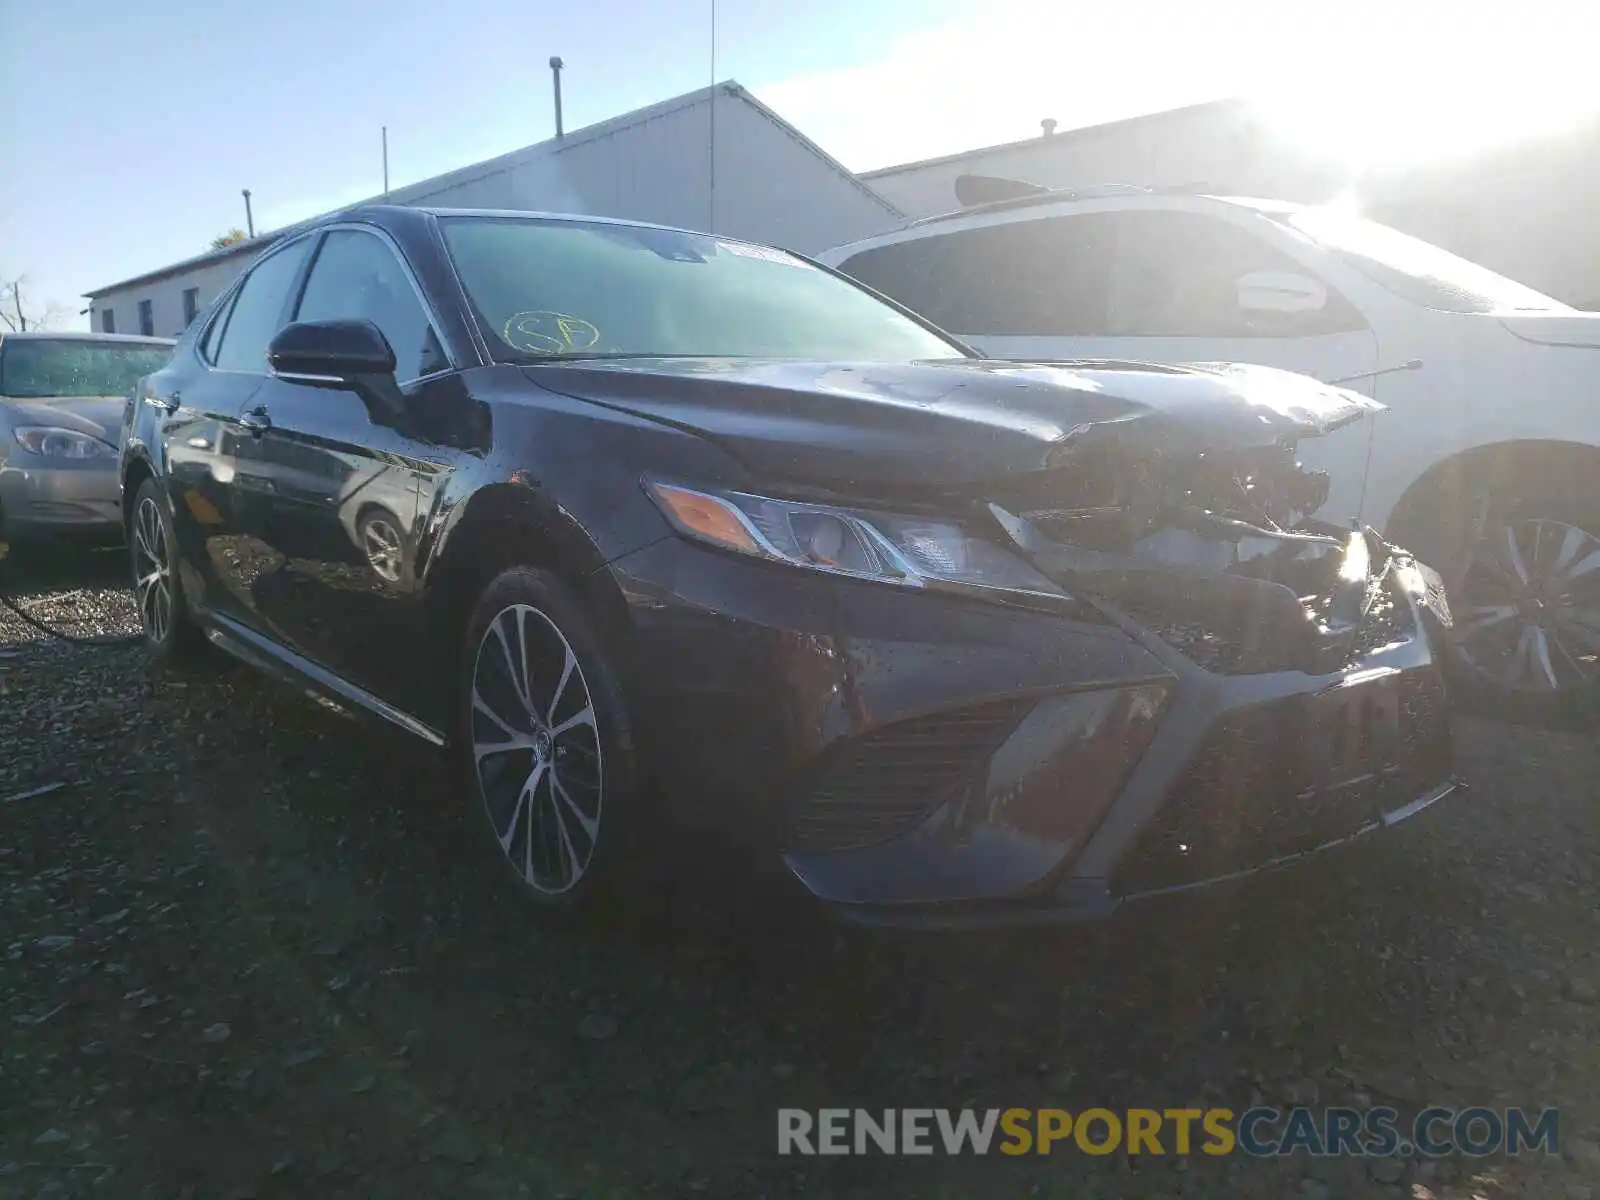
(652, 527)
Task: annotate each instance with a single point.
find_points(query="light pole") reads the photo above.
(555, 76)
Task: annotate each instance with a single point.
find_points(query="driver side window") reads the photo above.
(356, 275)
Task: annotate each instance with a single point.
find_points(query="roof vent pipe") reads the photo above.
(1048, 125)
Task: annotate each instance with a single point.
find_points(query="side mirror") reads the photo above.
(349, 354)
(1281, 292)
(330, 352)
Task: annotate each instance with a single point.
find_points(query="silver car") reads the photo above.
(61, 398)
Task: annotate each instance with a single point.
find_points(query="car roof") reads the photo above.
(1112, 191)
(397, 214)
(1063, 197)
(1262, 204)
(85, 335)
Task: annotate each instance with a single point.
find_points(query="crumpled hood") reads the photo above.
(1570, 328)
(959, 421)
(97, 416)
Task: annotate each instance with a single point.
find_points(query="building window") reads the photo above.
(108, 321)
(147, 320)
(191, 305)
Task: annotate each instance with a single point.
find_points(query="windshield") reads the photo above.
(39, 368)
(552, 289)
(1413, 269)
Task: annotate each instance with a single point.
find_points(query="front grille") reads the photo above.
(871, 788)
(1287, 777)
(1386, 622)
(1230, 643)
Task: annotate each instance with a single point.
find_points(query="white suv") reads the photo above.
(1487, 460)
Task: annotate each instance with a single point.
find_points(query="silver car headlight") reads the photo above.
(908, 551)
(49, 442)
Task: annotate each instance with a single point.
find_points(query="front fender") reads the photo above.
(502, 514)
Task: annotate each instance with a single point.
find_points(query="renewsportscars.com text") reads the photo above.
(1257, 1132)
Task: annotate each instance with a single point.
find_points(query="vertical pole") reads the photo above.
(249, 220)
(555, 78)
(711, 180)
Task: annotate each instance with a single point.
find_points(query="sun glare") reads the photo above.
(1416, 90)
(1379, 130)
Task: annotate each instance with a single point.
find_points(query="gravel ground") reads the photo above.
(242, 955)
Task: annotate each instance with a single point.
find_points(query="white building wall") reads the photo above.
(166, 297)
(1525, 210)
(1205, 144)
(926, 190)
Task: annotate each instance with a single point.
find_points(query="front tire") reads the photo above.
(1526, 639)
(171, 637)
(1519, 546)
(545, 743)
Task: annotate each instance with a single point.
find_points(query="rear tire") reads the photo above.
(545, 745)
(171, 637)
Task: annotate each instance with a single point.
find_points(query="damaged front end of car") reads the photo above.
(1307, 707)
(1220, 557)
(1309, 653)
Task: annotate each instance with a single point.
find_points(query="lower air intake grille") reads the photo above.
(1265, 783)
(871, 788)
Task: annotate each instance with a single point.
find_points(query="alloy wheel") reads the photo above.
(381, 543)
(1529, 617)
(536, 749)
(152, 571)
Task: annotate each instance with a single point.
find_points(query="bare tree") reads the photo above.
(19, 314)
(231, 238)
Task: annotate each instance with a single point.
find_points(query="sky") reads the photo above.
(129, 130)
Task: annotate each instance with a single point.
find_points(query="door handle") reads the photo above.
(256, 420)
(168, 403)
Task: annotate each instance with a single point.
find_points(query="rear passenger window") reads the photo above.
(260, 310)
(1039, 278)
(1177, 275)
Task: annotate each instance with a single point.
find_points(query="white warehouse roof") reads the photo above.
(768, 183)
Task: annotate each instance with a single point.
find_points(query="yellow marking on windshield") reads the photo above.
(544, 332)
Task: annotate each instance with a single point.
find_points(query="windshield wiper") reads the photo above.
(578, 356)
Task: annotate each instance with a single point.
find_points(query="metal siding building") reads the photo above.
(767, 183)
(1523, 209)
(1202, 143)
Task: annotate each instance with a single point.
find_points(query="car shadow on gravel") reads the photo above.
(250, 952)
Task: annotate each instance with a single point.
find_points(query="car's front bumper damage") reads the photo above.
(920, 762)
(1084, 900)
(1246, 772)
